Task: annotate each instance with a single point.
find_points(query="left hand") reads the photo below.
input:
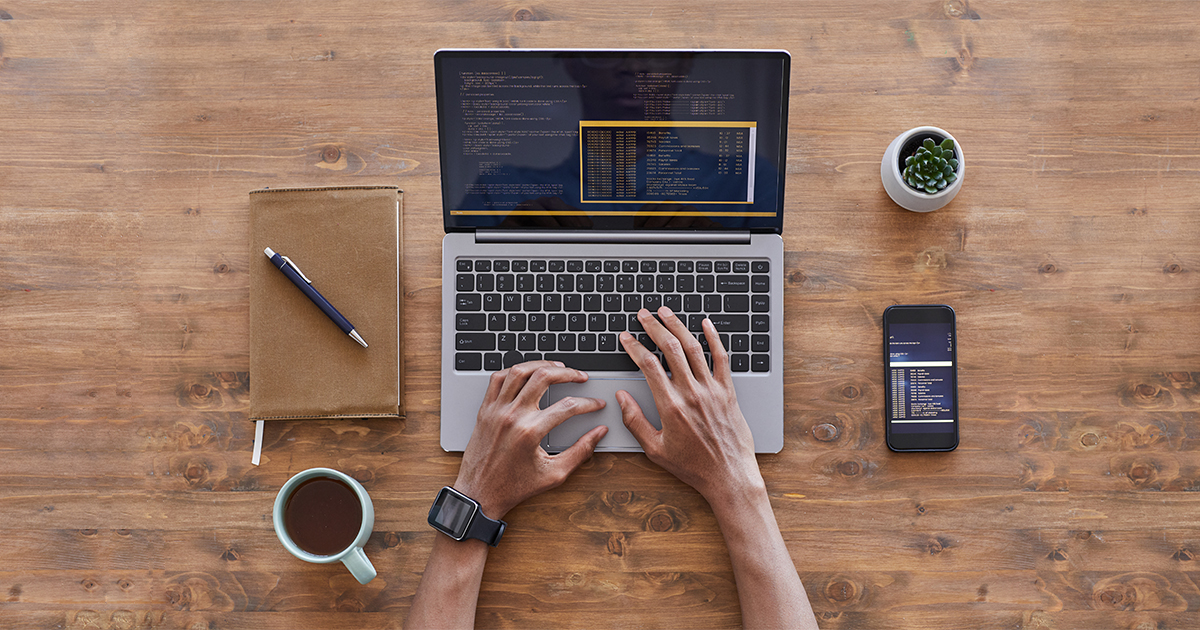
(504, 463)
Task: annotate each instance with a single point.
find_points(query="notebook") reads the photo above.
(345, 240)
(581, 185)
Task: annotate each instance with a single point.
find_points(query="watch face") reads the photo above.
(451, 513)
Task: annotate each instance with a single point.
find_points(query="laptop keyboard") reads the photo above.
(513, 310)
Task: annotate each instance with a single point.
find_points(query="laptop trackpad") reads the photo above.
(619, 438)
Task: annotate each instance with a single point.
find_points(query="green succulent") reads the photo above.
(932, 167)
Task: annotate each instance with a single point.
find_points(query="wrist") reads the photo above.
(740, 492)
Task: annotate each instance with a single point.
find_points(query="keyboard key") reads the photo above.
(544, 282)
(499, 265)
(625, 283)
(485, 282)
(629, 266)
(537, 322)
(646, 341)
(760, 284)
(608, 342)
(566, 342)
(704, 266)
(760, 266)
(526, 342)
(587, 342)
(546, 342)
(686, 266)
(556, 322)
(483, 342)
(651, 302)
(537, 266)
(496, 321)
(645, 283)
(737, 303)
(612, 303)
(739, 343)
(616, 322)
(552, 302)
(648, 266)
(512, 302)
(760, 303)
(505, 282)
(468, 302)
(533, 356)
(721, 266)
(760, 363)
(741, 266)
(516, 322)
(575, 266)
(695, 323)
(577, 322)
(520, 266)
(612, 266)
(512, 358)
(557, 266)
(712, 303)
(585, 283)
(606, 283)
(731, 323)
(685, 284)
(633, 303)
(572, 302)
(492, 361)
(706, 284)
(595, 361)
(761, 323)
(483, 265)
(524, 281)
(464, 265)
(470, 321)
(532, 301)
(692, 303)
(597, 322)
(592, 266)
(633, 325)
(564, 283)
(492, 302)
(468, 361)
(663, 284)
(739, 362)
(666, 266)
(760, 343)
(506, 341)
(733, 284)
(465, 282)
(673, 302)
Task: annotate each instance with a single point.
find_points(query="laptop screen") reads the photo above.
(612, 140)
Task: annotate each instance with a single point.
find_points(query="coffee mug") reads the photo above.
(315, 520)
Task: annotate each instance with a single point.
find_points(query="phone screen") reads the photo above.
(922, 405)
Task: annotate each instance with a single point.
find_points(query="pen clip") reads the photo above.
(294, 266)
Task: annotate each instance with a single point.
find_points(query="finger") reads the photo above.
(719, 356)
(518, 375)
(571, 459)
(635, 420)
(495, 384)
(692, 350)
(666, 341)
(541, 380)
(557, 413)
(655, 375)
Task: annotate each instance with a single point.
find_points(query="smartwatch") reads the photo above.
(459, 517)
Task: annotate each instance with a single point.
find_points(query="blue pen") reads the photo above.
(293, 273)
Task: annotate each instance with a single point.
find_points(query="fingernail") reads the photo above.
(560, 364)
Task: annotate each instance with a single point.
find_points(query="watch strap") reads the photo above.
(485, 529)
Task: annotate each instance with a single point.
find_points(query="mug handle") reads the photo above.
(360, 567)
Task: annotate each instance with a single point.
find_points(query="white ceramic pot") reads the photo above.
(903, 194)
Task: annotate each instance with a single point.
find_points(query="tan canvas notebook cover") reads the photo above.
(347, 242)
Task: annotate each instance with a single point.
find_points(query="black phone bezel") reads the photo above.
(919, 314)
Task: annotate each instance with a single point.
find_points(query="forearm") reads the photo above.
(769, 589)
(449, 589)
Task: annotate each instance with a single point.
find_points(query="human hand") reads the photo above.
(704, 439)
(504, 463)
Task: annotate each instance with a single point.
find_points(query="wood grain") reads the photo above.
(130, 133)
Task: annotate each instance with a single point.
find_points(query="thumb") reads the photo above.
(635, 420)
(581, 450)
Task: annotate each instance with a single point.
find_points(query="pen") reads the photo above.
(293, 273)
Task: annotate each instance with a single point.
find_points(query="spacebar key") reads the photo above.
(594, 362)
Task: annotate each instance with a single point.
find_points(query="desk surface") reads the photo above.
(130, 135)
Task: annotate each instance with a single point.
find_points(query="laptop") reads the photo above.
(579, 186)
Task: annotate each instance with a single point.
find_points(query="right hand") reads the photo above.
(704, 440)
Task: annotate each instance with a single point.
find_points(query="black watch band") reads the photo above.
(460, 517)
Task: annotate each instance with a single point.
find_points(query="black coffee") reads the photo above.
(323, 516)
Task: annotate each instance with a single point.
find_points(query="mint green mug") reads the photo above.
(352, 555)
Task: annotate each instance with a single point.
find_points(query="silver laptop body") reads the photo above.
(579, 185)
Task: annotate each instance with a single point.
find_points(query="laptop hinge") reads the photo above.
(586, 236)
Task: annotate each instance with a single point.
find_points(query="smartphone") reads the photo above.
(920, 378)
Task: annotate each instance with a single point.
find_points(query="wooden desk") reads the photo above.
(131, 133)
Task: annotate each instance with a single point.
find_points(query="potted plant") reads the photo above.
(922, 169)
